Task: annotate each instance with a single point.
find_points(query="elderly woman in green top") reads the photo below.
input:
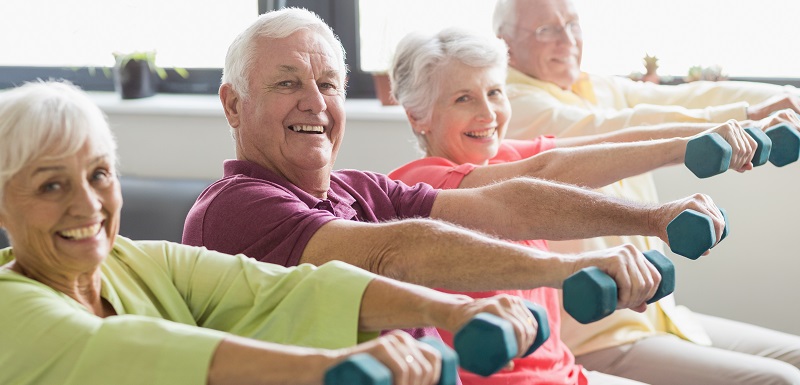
(83, 305)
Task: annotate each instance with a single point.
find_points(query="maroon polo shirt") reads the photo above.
(255, 212)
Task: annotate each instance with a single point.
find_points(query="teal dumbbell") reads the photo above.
(359, 369)
(487, 342)
(710, 154)
(590, 294)
(764, 148)
(363, 369)
(449, 373)
(691, 233)
(785, 144)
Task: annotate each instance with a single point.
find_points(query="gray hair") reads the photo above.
(48, 120)
(275, 24)
(504, 14)
(420, 60)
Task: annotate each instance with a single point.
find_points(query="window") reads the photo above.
(75, 39)
(748, 39)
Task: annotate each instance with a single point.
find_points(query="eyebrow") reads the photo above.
(332, 73)
(96, 160)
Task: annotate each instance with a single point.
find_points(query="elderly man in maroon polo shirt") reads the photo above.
(280, 200)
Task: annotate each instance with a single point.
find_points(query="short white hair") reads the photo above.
(275, 24)
(48, 120)
(504, 14)
(420, 61)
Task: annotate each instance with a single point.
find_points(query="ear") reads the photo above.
(231, 103)
(416, 125)
(512, 59)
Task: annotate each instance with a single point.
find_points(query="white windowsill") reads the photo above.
(209, 105)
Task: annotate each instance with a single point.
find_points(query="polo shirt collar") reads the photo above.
(339, 202)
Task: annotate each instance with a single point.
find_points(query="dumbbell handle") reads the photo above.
(691, 233)
(359, 369)
(487, 343)
(600, 290)
(710, 154)
(363, 369)
(543, 330)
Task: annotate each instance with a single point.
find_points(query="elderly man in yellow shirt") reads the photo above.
(550, 95)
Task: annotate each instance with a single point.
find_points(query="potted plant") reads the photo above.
(136, 74)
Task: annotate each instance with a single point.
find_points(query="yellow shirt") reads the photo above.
(598, 104)
(175, 303)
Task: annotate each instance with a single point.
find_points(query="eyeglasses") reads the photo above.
(551, 33)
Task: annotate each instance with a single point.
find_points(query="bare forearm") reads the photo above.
(602, 164)
(244, 361)
(391, 304)
(527, 208)
(436, 254)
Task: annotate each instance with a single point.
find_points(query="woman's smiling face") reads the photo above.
(62, 214)
(470, 115)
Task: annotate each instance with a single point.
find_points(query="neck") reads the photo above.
(83, 287)
(316, 182)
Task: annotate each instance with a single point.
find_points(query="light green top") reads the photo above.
(162, 292)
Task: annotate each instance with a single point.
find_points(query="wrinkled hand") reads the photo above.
(507, 307)
(637, 279)
(701, 203)
(775, 103)
(410, 361)
(787, 116)
(743, 145)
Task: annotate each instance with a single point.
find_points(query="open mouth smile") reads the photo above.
(306, 129)
(481, 134)
(81, 232)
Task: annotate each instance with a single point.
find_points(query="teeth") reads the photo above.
(481, 134)
(305, 128)
(81, 233)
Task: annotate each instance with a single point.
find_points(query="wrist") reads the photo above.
(447, 311)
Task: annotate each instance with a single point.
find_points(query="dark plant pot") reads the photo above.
(135, 80)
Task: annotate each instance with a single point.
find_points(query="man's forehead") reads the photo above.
(544, 11)
(291, 54)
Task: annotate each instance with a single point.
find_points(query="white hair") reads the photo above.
(275, 24)
(420, 63)
(504, 14)
(48, 120)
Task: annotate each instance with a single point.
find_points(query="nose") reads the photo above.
(311, 99)
(486, 112)
(85, 201)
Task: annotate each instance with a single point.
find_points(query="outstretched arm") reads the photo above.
(527, 208)
(598, 160)
(386, 304)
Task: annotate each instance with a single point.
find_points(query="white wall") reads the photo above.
(751, 276)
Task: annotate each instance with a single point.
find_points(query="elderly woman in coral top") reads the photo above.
(452, 87)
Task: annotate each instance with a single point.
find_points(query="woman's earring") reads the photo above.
(422, 132)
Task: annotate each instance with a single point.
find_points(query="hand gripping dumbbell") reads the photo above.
(691, 233)
(363, 369)
(590, 294)
(487, 342)
(785, 144)
(710, 154)
(359, 369)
